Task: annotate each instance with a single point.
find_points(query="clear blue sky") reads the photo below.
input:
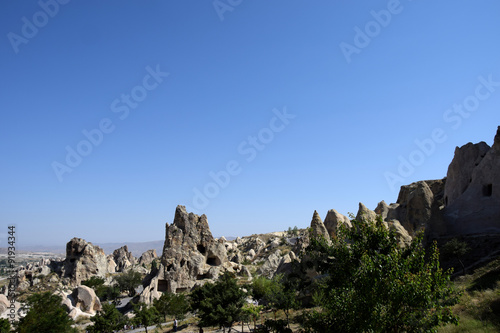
(354, 85)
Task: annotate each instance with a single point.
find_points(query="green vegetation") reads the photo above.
(455, 249)
(170, 304)
(146, 315)
(220, 303)
(370, 284)
(45, 315)
(103, 292)
(479, 307)
(128, 281)
(108, 320)
(4, 325)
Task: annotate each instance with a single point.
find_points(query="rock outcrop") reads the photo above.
(318, 228)
(83, 260)
(365, 214)
(334, 220)
(472, 195)
(191, 256)
(123, 258)
(148, 257)
(85, 299)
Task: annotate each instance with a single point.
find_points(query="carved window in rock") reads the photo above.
(488, 190)
(201, 249)
(162, 285)
(213, 261)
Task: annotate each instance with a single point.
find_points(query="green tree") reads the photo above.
(281, 296)
(220, 303)
(146, 315)
(251, 312)
(4, 325)
(45, 314)
(106, 293)
(170, 304)
(455, 249)
(94, 282)
(128, 281)
(109, 319)
(370, 284)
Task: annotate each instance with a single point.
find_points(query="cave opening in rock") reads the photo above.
(201, 249)
(213, 261)
(202, 276)
(488, 190)
(162, 285)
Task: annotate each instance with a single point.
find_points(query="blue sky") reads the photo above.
(255, 113)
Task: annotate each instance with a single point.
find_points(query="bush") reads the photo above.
(369, 284)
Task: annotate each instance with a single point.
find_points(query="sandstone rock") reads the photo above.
(274, 243)
(4, 303)
(85, 299)
(460, 170)
(365, 214)
(419, 208)
(474, 207)
(83, 260)
(318, 228)
(23, 285)
(148, 257)
(73, 313)
(123, 258)
(53, 278)
(111, 265)
(404, 237)
(270, 265)
(285, 265)
(190, 256)
(333, 220)
(44, 270)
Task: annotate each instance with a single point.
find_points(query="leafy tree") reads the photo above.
(94, 282)
(251, 312)
(276, 294)
(45, 314)
(170, 304)
(261, 286)
(281, 296)
(370, 284)
(220, 303)
(108, 320)
(146, 315)
(106, 293)
(455, 249)
(128, 281)
(4, 325)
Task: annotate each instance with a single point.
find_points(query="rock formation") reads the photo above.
(334, 220)
(85, 299)
(83, 260)
(148, 257)
(123, 258)
(472, 194)
(318, 228)
(191, 256)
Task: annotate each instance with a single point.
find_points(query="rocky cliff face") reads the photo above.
(123, 258)
(191, 256)
(83, 260)
(472, 192)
